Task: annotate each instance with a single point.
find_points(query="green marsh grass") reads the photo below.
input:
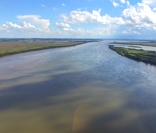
(9, 48)
(136, 54)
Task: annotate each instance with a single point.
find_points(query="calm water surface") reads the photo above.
(82, 89)
(149, 48)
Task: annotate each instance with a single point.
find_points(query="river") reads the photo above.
(139, 47)
(81, 89)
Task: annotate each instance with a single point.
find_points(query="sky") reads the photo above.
(114, 19)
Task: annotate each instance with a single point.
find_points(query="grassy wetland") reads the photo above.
(15, 47)
(136, 54)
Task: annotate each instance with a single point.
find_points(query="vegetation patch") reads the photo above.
(138, 55)
(146, 43)
(9, 48)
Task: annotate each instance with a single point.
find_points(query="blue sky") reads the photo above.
(121, 19)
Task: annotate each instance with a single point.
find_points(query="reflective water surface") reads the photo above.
(149, 48)
(82, 89)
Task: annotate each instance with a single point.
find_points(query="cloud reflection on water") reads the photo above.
(78, 91)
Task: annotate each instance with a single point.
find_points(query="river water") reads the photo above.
(139, 47)
(81, 89)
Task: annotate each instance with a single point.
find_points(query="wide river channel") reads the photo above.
(82, 89)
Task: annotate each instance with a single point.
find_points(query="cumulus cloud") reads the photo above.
(95, 32)
(28, 25)
(28, 29)
(9, 26)
(115, 4)
(136, 18)
(102, 31)
(78, 16)
(140, 16)
(63, 26)
(4, 28)
(31, 25)
(131, 31)
(123, 1)
(35, 20)
(128, 3)
(149, 2)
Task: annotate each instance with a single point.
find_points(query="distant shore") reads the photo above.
(143, 43)
(138, 55)
(10, 48)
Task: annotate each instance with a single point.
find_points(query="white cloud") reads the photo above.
(154, 27)
(35, 20)
(95, 32)
(81, 31)
(63, 26)
(77, 16)
(131, 31)
(27, 29)
(28, 25)
(140, 16)
(9, 26)
(136, 32)
(63, 4)
(31, 25)
(115, 4)
(154, 9)
(149, 2)
(123, 1)
(101, 31)
(4, 28)
(128, 3)
(138, 19)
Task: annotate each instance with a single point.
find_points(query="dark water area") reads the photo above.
(82, 89)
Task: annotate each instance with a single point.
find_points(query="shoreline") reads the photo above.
(148, 43)
(145, 56)
(11, 48)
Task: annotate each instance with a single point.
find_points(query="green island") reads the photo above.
(17, 46)
(138, 55)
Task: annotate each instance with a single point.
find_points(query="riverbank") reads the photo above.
(10, 48)
(145, 43)
(138, 55)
